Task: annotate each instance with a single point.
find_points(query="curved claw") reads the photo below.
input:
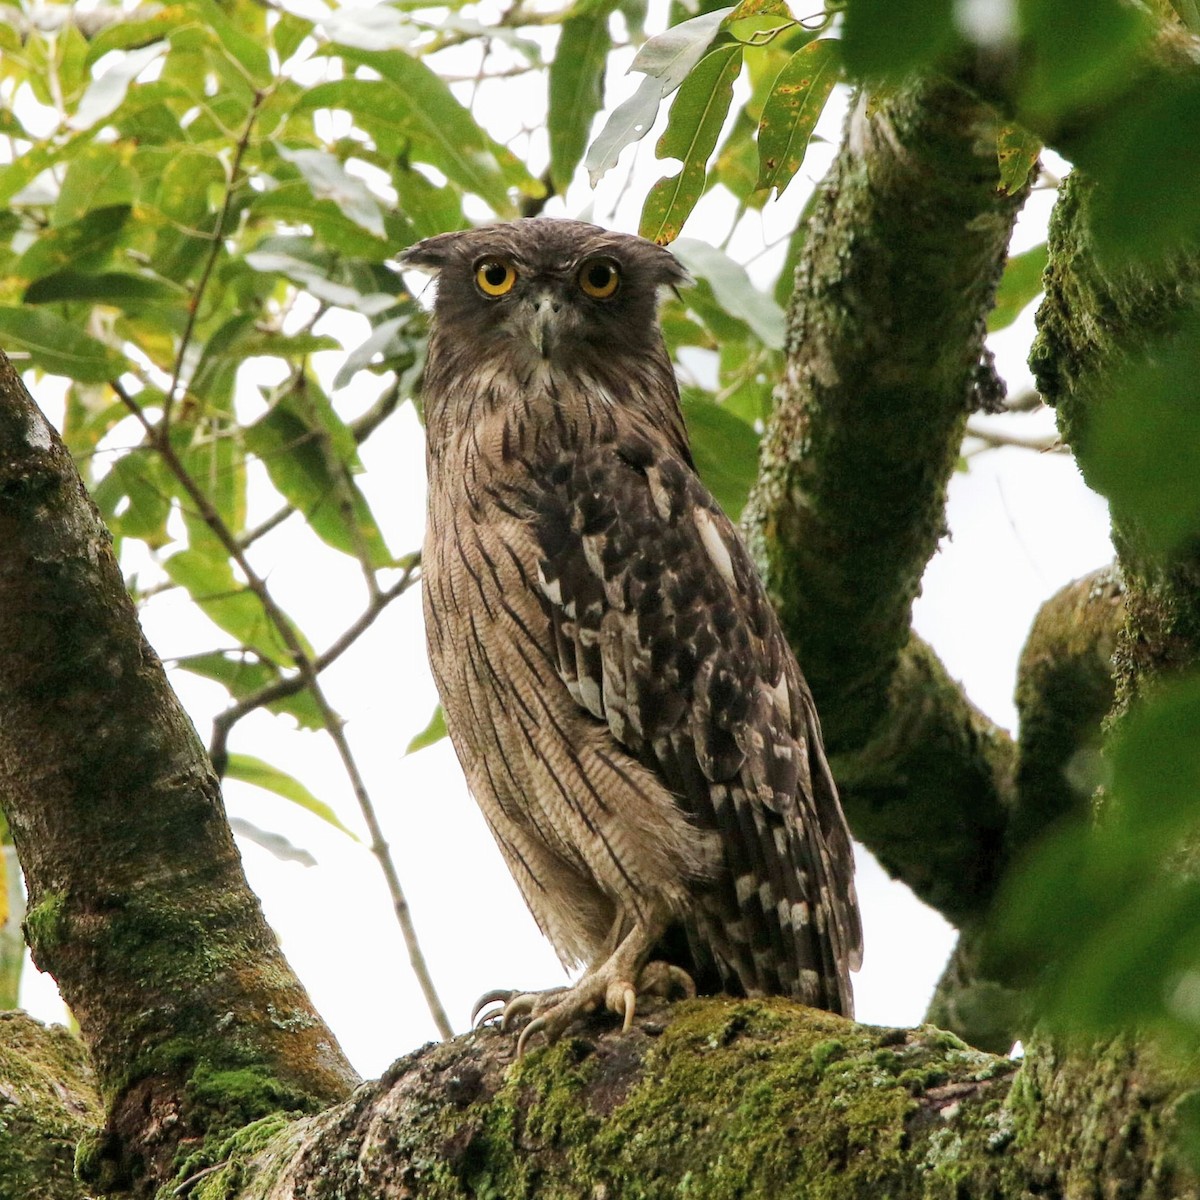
(629, 997)
(496, 996)
(517, 1006)
(534, 1026)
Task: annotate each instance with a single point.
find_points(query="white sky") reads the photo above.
(1022, 525)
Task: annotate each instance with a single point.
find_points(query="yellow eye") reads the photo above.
(599, 278)
(495, 278)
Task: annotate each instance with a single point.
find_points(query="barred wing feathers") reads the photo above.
(662, 629)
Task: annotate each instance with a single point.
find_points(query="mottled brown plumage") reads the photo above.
(626, 709)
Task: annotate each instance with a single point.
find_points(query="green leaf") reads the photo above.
(133, 31)
(247, 52)
(670, 56)
(433, 732)
(106, 93)
(99, 176)
(576, 89)
(135, 498)
(725, 449)
(892, 38)
(1017, 152)
(695, 122)
(1147, 199)
(313, 275)
(1080, 51)
(733, 290)
(412, 111)
(328, 179)
(1108, 912)
(248, 769)
(230, 605)
(57, 346)
(81, 244)
(308, 451)
(244, 677)
(1019, 285)
(1145, 441)
(119, 289)
(293, 203)
(629, 122)
(792, 109)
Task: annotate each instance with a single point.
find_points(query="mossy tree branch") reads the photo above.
(714, 1099)
(1093, 319)
(48, 1102)
(138, 903)
(885, 362)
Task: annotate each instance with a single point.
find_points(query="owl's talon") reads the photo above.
(534, 1026)
(496, 996)
(630, 1001)
(518, 1006)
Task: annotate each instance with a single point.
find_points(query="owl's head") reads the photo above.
(549, 289)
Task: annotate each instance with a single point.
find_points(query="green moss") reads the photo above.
(734, 1098)
(46, 922)
(234, 1153)
(47, 1104)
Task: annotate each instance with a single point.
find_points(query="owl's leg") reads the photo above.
(615, 979)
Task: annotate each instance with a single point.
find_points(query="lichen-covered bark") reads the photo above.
(48, 1101)
(1065, 691)
(137, 900)
(715, 1099)
(1091, 320)
(885, 361)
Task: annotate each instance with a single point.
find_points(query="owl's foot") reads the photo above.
(555, 1009)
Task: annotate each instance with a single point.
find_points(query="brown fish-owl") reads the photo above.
(629, 715)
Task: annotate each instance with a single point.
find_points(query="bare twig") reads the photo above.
(282, 688)
(218, 235)
(993, 439)
(333, 723)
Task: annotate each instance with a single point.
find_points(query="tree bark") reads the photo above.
(137, 901)
(720, 1098)
(885, 362)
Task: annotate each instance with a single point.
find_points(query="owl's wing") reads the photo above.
(663, 630)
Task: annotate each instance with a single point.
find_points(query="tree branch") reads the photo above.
(885, 363)
(721, 1098)
(138, 903)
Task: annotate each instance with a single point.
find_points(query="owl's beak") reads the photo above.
(544, 324)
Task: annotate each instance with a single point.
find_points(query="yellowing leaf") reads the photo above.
(792, 109)
(697, 116)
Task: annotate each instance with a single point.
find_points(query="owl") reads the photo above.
(626, 709)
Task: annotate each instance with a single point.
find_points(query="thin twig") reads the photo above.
(218, 236)
(1049, 443)
(333, 723)
(280, 689)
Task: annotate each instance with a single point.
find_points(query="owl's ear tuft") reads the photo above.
(670, 271)
(431, 254)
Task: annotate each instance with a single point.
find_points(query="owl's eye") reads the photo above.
(599, 278)
(494, 278)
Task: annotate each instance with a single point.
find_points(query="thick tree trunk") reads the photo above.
(137, 901)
